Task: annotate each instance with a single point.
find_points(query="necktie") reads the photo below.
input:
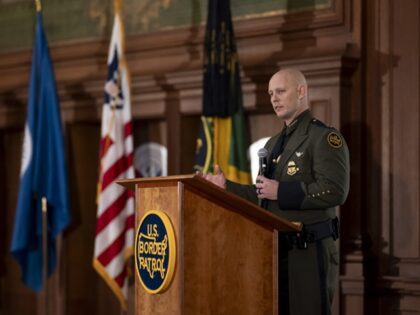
(276, 152)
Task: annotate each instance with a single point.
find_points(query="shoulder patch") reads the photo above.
(334, 140)
(318, 123)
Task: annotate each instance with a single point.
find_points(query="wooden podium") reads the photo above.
(226, 249)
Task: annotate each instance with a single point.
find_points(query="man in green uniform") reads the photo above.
(307, 176)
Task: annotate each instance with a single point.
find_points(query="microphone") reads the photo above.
(262, 155)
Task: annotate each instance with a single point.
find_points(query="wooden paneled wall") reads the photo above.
(392, 141)
(361, 59)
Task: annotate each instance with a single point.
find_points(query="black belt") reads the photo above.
(311, 233)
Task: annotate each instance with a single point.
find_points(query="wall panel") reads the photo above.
(393, 166)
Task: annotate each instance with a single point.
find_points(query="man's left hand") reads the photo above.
(267, 188)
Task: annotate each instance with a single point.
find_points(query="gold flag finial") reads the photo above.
(38, 5)
(117, 6)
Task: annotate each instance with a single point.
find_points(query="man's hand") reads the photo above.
(267, 188)
(218, 178)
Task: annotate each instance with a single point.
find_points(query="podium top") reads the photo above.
(219, 195)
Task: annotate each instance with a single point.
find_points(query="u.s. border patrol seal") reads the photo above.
(155, 251)
(334, 140)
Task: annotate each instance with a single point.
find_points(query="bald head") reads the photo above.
(288, 93)
(293, 75)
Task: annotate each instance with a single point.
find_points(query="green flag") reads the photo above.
(222, 137)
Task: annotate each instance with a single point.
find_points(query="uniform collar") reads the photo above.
(298, 121)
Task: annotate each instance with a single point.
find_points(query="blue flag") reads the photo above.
(43, 171)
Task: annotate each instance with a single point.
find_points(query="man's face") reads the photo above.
(284, 96)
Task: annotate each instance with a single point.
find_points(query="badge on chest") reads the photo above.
(292, 169)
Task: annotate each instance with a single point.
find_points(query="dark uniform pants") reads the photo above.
(307, 278)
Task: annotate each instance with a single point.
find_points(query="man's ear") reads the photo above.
(301, 91)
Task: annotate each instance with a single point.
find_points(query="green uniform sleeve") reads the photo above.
(331, 177)
(245, 191)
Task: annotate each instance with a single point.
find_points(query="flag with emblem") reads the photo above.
(222, 136)
(43, 171)
(115, 213)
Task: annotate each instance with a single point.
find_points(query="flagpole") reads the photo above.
(44, 207)
(117, 11)
(117, 6)
(45, 251)
(38, 5)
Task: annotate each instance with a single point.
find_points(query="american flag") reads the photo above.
(115, 214)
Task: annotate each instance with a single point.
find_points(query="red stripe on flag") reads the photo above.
(119, 167)
(121, 277)
(128, 129)
(129, 222)
(130, 193)
(113, 250)
(112, 211)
